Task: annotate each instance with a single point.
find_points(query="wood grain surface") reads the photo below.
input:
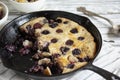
(107, 8)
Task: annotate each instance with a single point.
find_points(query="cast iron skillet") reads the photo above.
(19, 64)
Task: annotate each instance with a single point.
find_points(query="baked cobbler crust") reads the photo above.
(70, 45)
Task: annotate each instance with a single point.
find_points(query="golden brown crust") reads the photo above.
(80, 44)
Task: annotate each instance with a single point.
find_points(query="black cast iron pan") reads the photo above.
(20, 64)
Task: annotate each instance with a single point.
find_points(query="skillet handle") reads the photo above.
(107, 75)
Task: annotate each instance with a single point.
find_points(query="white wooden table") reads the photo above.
(107, 8)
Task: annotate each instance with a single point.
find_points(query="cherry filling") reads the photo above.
(76, 52)
(36, 68)
(59, 20)
(74, 30)
(37, 26)
(59, 30)
(80, 59)
(55, 68)
(64, 49)
(71, 66)
(24, 51)
(54, 40)
(56, 55)
(69, 42)
(81, 38)
(45, 32)
(10, 48)
(87, 59)
(53, 24)
(35, 46)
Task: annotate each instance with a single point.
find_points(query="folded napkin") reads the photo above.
(108, 59)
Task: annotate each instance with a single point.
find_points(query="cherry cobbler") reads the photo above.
(58, 45)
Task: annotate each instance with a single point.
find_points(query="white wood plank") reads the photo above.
(103, 8)
(106, 8)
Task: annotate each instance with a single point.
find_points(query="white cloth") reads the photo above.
(108, 58)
